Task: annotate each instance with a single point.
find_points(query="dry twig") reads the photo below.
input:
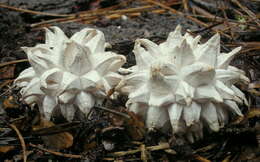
(246, 10)
(30, 11)
(21, 141)
(57, 153)
(113, 111)
(13, 62)
(162, 146)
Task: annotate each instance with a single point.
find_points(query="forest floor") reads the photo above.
(24, 135)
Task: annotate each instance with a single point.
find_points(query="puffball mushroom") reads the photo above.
(184, 82)
(69, 73)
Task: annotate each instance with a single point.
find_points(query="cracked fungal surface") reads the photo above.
(69, 73)
(184, 82)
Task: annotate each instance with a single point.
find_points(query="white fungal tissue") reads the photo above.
(69, 73)
(184, 82)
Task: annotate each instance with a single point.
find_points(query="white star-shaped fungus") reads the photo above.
(184, 82)
(69, 73)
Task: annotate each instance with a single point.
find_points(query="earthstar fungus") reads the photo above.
(184, 82)
(69, 73)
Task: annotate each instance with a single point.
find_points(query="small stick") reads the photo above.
(72, 17)
(85, 16)
(113, 111)
(8, 90)
(162, 146)
(200, 158)
(12, 62)
(250, 49)
(143, 153)
(206, 148)
(209, 16)
(123, 153)
(31, 12)
(245, 44)
(185, 5)
(17, 119)
(21, 141)
(57, 153)
(246, 10)
(6, 83)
